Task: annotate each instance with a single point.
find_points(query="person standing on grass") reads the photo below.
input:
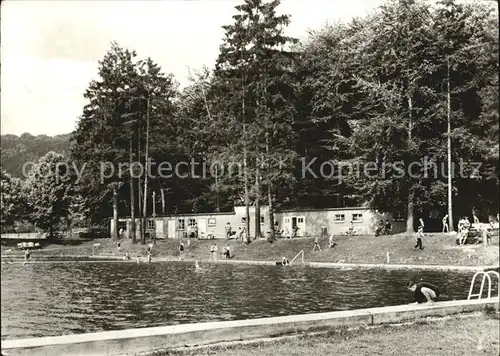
(316, 244)
(467, 222)
(227, 252)
(461, 224)
(475, 218)
(380, 228)
(149, 251)
(445, 223)
(228, 230)
(244, 236)
(26, 256)
(424, 292)
(351, 228)
(388, 227)
(463, 231)
(181, 251)
(420, 235)
(331, 241)
(213, 252)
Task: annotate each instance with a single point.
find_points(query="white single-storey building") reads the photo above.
(309, 222)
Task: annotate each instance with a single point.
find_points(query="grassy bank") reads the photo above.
(440, 249)
(470, 335)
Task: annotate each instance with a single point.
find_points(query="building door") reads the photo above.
(171, 228)
(287, 225)
(160, 233)
(202, 226)
(301, 224)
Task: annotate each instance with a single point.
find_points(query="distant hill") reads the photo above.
(17, 150)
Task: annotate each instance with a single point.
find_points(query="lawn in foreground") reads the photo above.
(468, 335)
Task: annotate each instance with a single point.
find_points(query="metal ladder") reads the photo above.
(297, 255)
(486, 275)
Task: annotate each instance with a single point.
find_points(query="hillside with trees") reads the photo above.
(17, 150)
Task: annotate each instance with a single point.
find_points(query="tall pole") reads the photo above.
(410, 207)
(132, 195)
(144, 204)
(257, 202)
(217, 207)
(269, 167)
(115, 211)
(154, 218)
(154, 204)
(207, 108)
(245, 177)
(139, 202)
(245, 160)
(450, 206)
(162, 201)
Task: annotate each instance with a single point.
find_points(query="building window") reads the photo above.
(211, 222)
(357, 217)
(122, 225)
(181, 224)
(151, 224)
(339, 218)
(262, 219)
(192, 223)
(300, 220)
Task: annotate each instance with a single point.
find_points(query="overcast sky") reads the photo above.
(50, 49)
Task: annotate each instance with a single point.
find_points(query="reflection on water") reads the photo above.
(70, 298)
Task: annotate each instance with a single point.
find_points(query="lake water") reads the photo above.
(71, 298)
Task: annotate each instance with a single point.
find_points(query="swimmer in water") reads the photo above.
(196, 265)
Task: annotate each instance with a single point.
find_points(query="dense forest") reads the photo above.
(373, 112)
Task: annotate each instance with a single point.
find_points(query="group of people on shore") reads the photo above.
(127, 257)
(213, 251)
(241, 234)
(464, 227)
(226, 253)
(332, 242)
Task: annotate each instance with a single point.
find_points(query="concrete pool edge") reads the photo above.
(175, 336)
(89, 258)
